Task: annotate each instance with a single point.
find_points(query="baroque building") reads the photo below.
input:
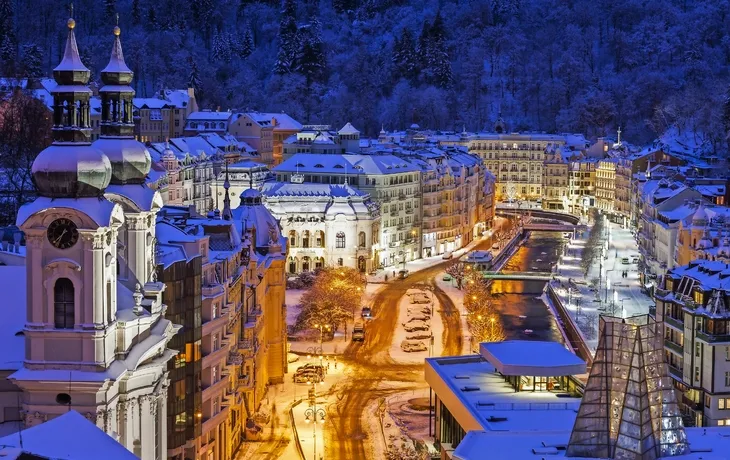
(95, 335)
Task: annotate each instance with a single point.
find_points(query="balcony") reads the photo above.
(214, 389)
(212, 290)
(674, 372)
(712, 338)
(675, 347)
(214, 357)
(385, 199)
(409, 210)
(401, 196)
(215, 420)
(673, 322)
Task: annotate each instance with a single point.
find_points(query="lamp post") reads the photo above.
(608, 285)
(315, 415)
(321, 328)
(491, 327)
(622, 304)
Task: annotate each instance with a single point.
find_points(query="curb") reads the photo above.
(294, 430)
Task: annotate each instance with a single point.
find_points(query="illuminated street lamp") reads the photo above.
(321, 328)
(314, 415)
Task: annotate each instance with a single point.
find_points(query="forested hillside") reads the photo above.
(552, 65)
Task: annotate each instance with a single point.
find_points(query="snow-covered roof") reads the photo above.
(99, 210)
(208, 115)
(67, 436)
(116, 62)
(12, 340)
(532, 357)
(283, 121)
(348, 129)
(177, 97)
(279, 189)
(149, 103)
(71, 61)
(346, 163)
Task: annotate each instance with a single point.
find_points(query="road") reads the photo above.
(375, 374)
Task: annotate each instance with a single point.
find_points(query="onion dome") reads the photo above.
(71, 167)
(130, 159)
(168, 154)
(699, 218)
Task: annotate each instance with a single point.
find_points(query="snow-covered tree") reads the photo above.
(405, 59)
(152, 17)
(32, 61)
(311, 60)
(8, 44)
(136, 12)
(726, 116)
(222, 48)
(110, 10)
(246, 45)
(438, 63)
(286, 57)
(194, 80)
(343, 6)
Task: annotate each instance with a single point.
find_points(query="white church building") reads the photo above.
(91, 334)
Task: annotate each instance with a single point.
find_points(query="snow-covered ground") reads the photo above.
(620, 296)
(456, 296)
(408, 311)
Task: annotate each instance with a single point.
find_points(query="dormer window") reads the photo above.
(318, 166)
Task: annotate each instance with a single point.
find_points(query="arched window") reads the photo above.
(340, 240)
(361, 240)
(63, 304)
(292, 238)
(305, 239)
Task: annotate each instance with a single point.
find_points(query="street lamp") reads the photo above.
(491, 327)
(608, 285)
(321, 328)
(315, 415)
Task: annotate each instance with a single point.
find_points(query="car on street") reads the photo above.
(416, 317)
(412, 346)
(358, 333)
(420, 309)
(446, 278)
(414, 326)
(419, 336)
(420, 297)
(309, 373)
(447, 255)
(625, 261)
(366, 313)
(495, 246)
(403, 274)
(634, 259)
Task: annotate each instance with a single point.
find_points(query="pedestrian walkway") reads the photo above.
(612, 286)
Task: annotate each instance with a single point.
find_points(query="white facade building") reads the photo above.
(325, 224)
(241, 176)
(95, 333)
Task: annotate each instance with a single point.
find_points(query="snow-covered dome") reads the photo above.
(705, 242)
(71, 170)
(130, 160)
(256, 217)
(699, 218)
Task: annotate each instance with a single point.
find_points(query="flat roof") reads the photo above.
(532, 358)
(480, 399)
(705, 444)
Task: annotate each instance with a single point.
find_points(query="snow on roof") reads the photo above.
(283, 121)
(71, 60)
(247, 164)
(98, 209)
(207, 115)
(116, 62)
(12, 341)
(278, 189)
(346, 163)
(472, 383)
(149, 103)
(67, 436)
(177, 97)
(531, 357)
(705, 444)
(348, 129)
(710, 190)
(143, 197)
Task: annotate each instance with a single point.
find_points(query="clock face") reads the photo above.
(62, 233)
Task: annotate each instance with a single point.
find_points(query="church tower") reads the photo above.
(93, 343)
(130, 164)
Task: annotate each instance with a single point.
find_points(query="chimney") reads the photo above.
(273, 122)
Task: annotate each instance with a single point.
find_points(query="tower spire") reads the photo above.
(227, 214)
(618, 140)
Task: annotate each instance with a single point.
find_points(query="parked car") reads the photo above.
(447, 255)
(358, 333)
(366, 313)
(413, 326)
(417, 317)
(625, 261)
(634, 259)
(309, 373)
(420, 297)
(446, 277)
(312, 367)
(419, 336)
(412, 346)
(420, 309)
(403, 274)
(495, 246)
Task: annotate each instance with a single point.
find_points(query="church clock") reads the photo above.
(62, 233)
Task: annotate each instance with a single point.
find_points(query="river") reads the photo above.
(519, 301)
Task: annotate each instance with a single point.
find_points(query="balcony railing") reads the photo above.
(674, 322)
(712, 338)
(675, 347)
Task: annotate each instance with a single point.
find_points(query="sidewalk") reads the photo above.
(619, 296)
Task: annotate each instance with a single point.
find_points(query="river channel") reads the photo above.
(524, 315)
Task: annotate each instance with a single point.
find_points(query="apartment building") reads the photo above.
(556, 190)
(693, 304)
(606, 185)
(704, 234)
(208, 121)
(323, 139)
(582, 186)
(162, 117)
(622, 203)
(236, 345)
(266, 132)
